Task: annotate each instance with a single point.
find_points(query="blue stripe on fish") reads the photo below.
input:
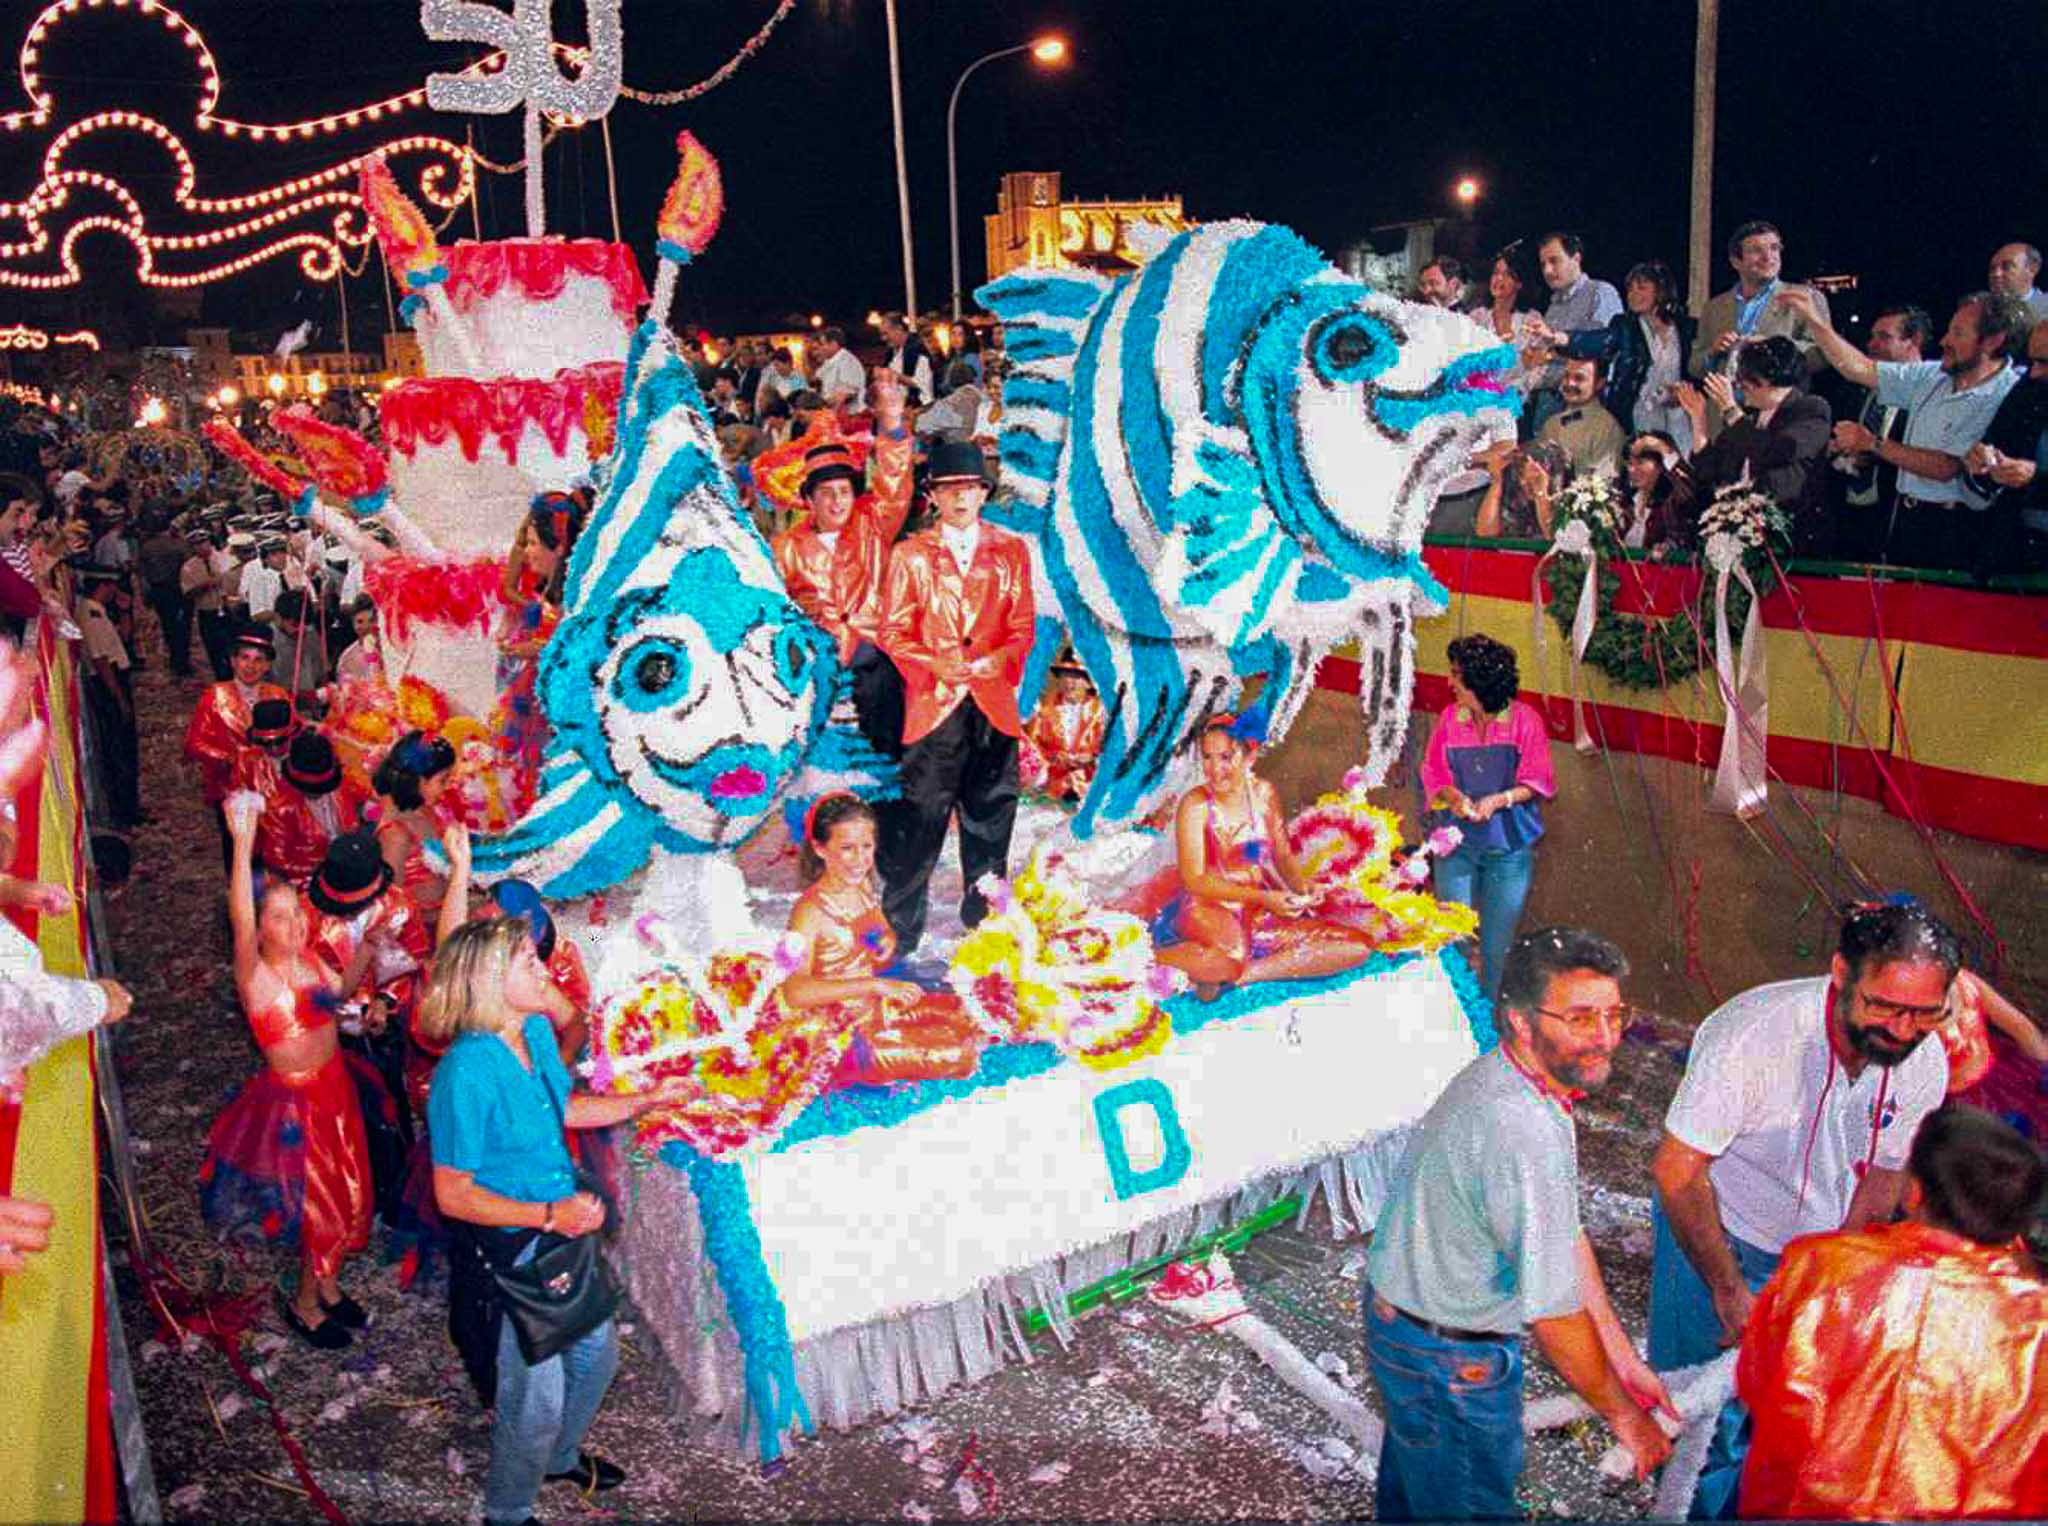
(1021, 298)
(1148, 440)
(1258, 268)
(1158, 682)
(1030, 454)
(1038, 344)
(1023, 390)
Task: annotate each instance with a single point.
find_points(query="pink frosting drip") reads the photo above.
(538, 268)
(429, 411)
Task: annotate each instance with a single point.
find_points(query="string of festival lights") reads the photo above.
(21, 336)
(445, 181)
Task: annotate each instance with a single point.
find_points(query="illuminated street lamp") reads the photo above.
(1467, 191)
(230, 395)
(276, 384)
(1050, 50)
(153, 412)
(317, 384)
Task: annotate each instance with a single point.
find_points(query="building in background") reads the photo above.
(1033, 226)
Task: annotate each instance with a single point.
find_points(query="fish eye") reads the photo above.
(1351, 348)
(653, 676)
(793, 657)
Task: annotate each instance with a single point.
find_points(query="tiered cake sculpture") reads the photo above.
(524, 342)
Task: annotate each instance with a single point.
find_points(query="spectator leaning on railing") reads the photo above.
(1950, 401)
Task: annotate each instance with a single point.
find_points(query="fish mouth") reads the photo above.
(1469, 384)
(735, 776)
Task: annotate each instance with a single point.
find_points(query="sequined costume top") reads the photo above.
(841, 584)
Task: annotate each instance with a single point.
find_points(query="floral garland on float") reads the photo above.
(1047, 966)
(1352, 850)
(754, 1063)
(1635, 650)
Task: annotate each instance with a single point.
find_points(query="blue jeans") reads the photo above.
(543, 1412)
(1453, 1447)
(1685, 1331)
(1495, 883)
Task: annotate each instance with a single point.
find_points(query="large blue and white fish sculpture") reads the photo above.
(684, 688)
(1227, 459)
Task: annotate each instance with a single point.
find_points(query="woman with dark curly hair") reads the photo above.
(1486, 770)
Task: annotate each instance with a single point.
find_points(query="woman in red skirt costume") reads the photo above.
(286, 1157)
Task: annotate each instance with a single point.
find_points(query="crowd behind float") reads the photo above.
(1847, 1173)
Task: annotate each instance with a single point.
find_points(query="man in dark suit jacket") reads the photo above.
(1862, 490)
(1776, 431)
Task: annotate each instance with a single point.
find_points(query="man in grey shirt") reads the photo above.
(1480, 1237)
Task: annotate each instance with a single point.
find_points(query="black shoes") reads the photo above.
(592, 1474)
(346, 1312)
(328, 1335)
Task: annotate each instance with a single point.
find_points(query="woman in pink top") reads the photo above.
(1487, 772)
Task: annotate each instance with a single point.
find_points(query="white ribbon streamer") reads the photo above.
(1740, 782)
(1574, 538)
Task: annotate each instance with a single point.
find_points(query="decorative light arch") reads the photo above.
(327, 197)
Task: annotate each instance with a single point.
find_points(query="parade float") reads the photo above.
(1223, 466)
(810, 1252)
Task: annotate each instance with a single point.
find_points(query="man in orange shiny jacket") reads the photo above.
(1901, 1372)
(957, 623)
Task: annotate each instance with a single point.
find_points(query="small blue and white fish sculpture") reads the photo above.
(685, 689)
(1227, 460)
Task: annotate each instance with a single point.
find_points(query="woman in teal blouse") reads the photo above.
(500, 1101)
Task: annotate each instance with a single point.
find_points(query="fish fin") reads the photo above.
(1224, 555)
(1044, 316)
(1149, 730)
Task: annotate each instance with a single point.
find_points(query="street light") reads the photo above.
(1049, 50)
(230, 395)
(1467, 191)
(276, 384)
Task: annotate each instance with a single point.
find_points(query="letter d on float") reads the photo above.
(1169, 1154)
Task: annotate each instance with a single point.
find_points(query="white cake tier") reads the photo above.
(462, 662)
(467, 457)
(531, 307)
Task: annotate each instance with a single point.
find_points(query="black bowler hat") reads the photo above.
(311, 768)
(350, 877)
(830, 462)
(255, 638)
(956, 461)
(270, 723)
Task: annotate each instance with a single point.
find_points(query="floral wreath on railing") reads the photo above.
(1641, 651)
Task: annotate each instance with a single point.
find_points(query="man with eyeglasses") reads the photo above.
(1795, 1116)
(1480, 1237)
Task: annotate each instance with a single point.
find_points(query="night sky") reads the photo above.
(1900, 140)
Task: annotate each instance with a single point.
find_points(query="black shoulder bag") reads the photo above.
(566, 1290)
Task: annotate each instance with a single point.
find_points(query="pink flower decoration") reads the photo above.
(789, 952)
(996, 891)
(1159, 980)
(1444, 840)
(1354, 781)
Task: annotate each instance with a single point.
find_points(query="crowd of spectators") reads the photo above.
(1918, 447)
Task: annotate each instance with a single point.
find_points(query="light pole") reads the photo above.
(902, 169)
(1047, 50)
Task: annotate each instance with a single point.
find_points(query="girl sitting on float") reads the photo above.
(409, 783)
(902, 1032)
(1245, 909)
